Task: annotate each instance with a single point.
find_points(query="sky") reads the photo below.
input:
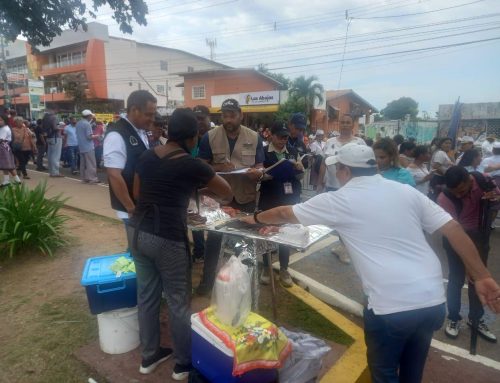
(431, 50)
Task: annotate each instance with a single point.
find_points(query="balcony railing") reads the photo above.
(63, 64)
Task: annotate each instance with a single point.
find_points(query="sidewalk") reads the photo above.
(82, 196)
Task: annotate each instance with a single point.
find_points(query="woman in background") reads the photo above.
(7, 162)
(387, 156)
(22, 145)
(418, 169)
(471, 159)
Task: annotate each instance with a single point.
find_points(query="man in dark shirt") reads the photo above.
(41, 145)
(54, 141)
(297, 126)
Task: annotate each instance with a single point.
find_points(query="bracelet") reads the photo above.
(255, 216)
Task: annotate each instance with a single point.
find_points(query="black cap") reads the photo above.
(201, 110)
(279, 129)
(230, 105)
(299, 120)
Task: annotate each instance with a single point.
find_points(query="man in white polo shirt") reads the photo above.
(124, 143)
(400, 273)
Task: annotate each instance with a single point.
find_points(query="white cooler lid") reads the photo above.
(198, 326)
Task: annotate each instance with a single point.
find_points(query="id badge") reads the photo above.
(287, 186)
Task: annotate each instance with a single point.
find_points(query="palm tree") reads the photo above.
(307, 90)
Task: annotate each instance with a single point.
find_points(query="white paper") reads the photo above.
(237, 171)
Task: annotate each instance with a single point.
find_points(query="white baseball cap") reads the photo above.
(467, 140)
(354, 155)
(87, 112)
(496, 145)
(320, 132)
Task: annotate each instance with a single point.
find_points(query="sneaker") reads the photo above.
(341, 252)
(265, 279)
(452, 328)
(286, 278)
(149, 365)
(181, 372)
(484, 331)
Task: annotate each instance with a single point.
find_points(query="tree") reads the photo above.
(42, 20)
(398, 109)
(75, 85)
(280, 77)
(307, 91)
(292, 105)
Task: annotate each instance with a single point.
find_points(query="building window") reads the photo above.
(164, 65)
(190, 69)
(160, 89)
(198, 92)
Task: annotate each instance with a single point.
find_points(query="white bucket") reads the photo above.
(118, 330)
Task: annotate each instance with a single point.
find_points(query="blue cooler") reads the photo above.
(214, 360)
(105, 291)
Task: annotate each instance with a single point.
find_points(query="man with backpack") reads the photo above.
(470, 199)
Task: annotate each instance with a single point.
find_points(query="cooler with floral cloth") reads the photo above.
(252, 352)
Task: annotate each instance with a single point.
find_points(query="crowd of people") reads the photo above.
(380, 196)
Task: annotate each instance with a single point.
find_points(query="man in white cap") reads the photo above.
(466, 143)
(400, 273)
(85, 138)
(318, 145)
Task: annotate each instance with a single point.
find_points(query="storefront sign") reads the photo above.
(35, 91)
(271, 97)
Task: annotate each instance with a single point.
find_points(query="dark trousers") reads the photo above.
(41, 149)
(98, 155)
(283, 255)
(22, 157)
(199, 243)
(162, 265)
(400, 342)
(456, 278)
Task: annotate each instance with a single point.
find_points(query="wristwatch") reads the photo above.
(255, 216)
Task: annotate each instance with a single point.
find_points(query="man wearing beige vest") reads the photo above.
(229, 147)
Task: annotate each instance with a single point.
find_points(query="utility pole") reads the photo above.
(348, 19)
(3, 75)
(212, 43)
(166, 96)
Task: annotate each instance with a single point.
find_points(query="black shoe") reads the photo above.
(149, 365)
(181, 371)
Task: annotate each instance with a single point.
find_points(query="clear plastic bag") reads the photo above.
(304, 363)
(232, 295)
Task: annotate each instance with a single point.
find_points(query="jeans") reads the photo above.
(54, 155)
(400, 341)
(98, 155)
(284, 257)
(456, 279)
(72, 157)
(163, 265)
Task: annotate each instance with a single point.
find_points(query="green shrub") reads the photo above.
(28, 220)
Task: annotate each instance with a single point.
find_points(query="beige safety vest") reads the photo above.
(243, 156)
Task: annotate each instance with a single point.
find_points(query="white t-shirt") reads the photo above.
(442, 159)
(419, 173)
(114, 154)
(5, 133)
(493, 160)
(381, 223)
(317, 147)
(332, 146)
(487, 149)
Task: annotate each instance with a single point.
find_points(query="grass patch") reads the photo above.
(42, 352)
(297, 316)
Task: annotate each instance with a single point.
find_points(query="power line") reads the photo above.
(418, 13)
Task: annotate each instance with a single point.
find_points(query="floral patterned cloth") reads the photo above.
(256, 344)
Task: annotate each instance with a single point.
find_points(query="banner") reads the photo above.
(35, 92)
(271, 97)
